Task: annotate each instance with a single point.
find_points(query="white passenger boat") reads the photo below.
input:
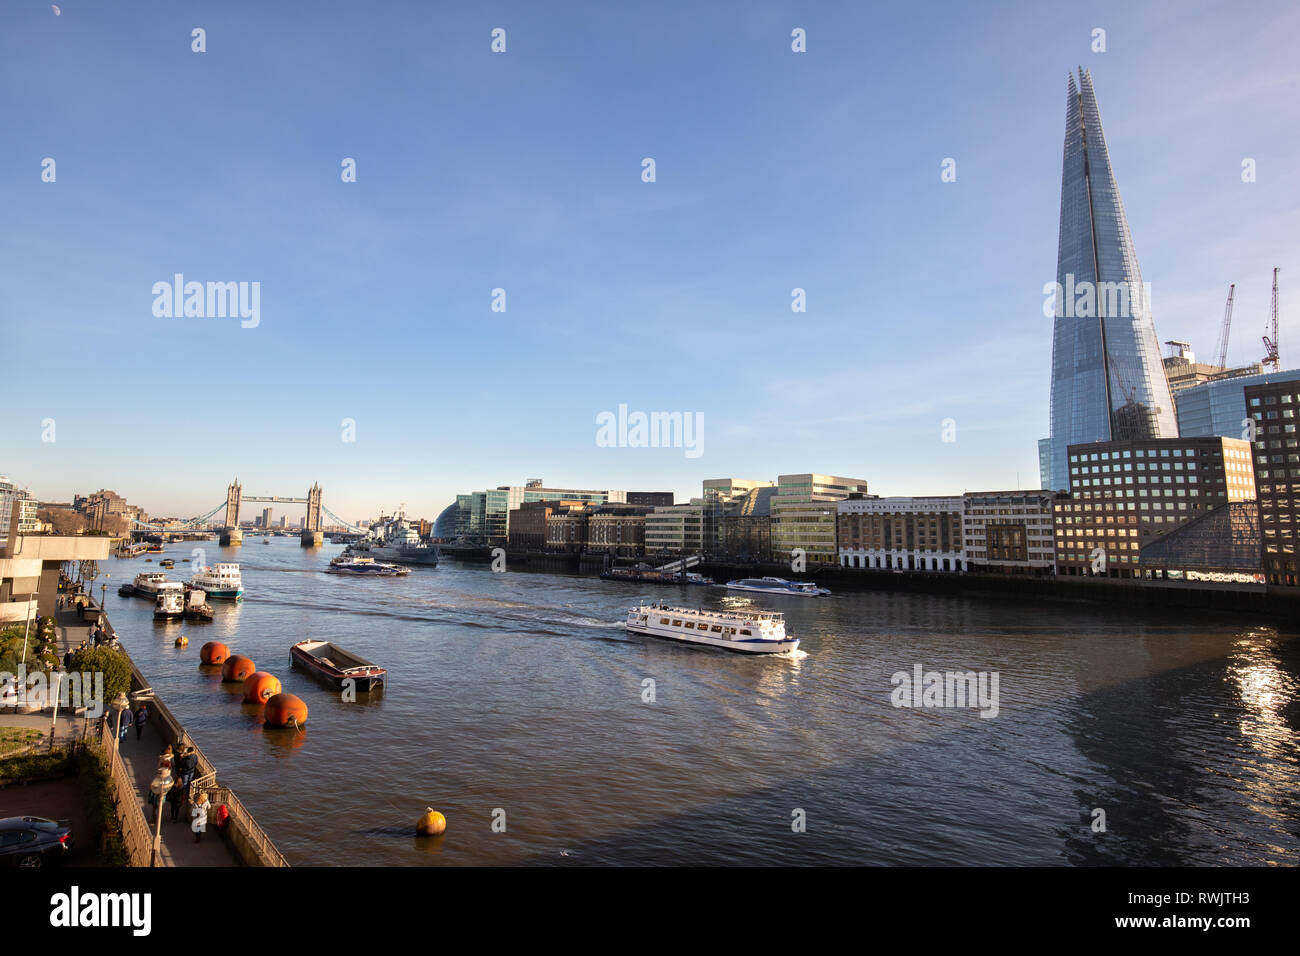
(747, 630)
(771, 585)
(220, 581)
(149, 583)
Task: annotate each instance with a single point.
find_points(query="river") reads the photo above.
(517, 706)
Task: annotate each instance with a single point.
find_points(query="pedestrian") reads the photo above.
(199, 814)
(67, 660)
(141, 717)
(176, 796)
(187, 764)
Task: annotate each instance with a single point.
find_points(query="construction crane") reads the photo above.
(1270, 344)
(1227, 327)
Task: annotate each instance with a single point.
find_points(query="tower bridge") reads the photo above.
(312, 534)
(229, 532)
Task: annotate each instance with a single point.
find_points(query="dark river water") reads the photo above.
(521, 692)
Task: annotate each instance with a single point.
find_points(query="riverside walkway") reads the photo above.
(139, 758)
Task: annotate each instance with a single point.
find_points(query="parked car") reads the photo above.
(33, 841)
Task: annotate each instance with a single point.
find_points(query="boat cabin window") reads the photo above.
(746, 632)
(677, 623)
(663, 620)
(717, 628)
(691, 625)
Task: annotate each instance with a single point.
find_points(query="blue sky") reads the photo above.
(522, 171)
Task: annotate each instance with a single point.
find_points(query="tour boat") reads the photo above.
(771, 585)
(220, 581)
(170, 602)
(745, 630)
(149, 583)
(368, 567)
(333, 666)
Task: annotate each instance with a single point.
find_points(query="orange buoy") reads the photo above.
(236, 668)
(213, 652)
(260, 686)
(182, 641)
(282, 710)
(432, 823)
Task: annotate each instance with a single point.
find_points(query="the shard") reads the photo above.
(1108, 381)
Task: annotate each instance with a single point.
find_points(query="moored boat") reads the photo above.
(781, 586)
(393, 539)
(331, 665)
(221, 580)
(149, 583)
(170, 602)
(746, 630)
(654, 576)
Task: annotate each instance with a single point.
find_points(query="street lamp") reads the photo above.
(161, 784)
(54, 720)
(27, 628)
(120, 703)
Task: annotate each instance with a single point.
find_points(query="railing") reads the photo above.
(249, 840)
(247, 836)
(136, 837)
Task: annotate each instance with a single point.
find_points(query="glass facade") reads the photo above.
(1108, 381)
(1219, 407)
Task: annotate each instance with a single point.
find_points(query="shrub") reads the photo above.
(97, 792)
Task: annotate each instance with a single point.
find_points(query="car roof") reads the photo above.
(17, 823)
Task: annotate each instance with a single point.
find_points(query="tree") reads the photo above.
(113, 663)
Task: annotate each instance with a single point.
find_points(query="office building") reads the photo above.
(901, 533)
(1125, 494)
(1009, 532)
(1108, 382)
(1275, 407)
(804, 516)
(675, 529)
(1218, 406)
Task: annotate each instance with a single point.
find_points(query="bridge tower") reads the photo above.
(230, 535)
(312, 535)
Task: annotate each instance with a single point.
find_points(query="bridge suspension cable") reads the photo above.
(191, 522)
(337, 520)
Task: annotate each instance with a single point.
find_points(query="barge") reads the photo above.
(332, 666)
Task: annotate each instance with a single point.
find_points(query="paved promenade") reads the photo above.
(140, 758)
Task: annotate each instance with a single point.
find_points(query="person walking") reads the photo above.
(141, 718)
(176, 797)
(186, 765)
(199, 814)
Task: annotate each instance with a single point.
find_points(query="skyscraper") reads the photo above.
(1108, 382)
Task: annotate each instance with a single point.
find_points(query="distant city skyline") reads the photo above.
(522, 171)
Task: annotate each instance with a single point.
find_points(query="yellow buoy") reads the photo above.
(432, 823)
(182, 641)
